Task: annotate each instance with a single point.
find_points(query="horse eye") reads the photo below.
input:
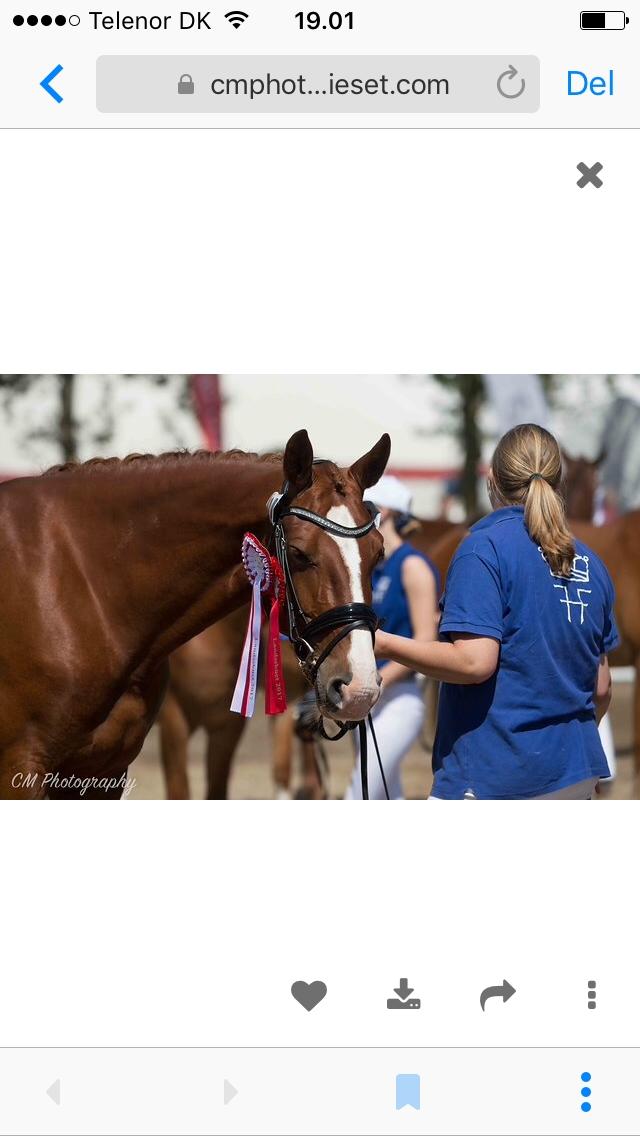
(300, 558)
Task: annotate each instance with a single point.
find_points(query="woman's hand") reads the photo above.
(379, 645)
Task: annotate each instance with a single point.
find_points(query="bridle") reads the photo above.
(305, 634)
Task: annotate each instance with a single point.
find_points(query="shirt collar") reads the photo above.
(515, 512)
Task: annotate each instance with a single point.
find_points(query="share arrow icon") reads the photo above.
(506, 991)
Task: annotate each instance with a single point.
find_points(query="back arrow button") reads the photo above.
(46, 83)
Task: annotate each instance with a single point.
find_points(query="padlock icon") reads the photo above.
(186, 85)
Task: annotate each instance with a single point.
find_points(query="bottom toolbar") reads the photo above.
(330, 1090)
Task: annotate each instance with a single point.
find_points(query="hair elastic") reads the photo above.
(534, 475)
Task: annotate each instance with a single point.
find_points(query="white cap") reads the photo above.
(390, 493)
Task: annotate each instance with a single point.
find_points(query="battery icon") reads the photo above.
(603, 21)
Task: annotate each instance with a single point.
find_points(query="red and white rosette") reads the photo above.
(266, 578)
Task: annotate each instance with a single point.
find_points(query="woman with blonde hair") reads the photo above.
(527, 623)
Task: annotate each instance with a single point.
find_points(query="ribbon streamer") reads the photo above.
(265, 576)
(275, 690)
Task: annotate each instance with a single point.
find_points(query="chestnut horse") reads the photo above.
(110, 565)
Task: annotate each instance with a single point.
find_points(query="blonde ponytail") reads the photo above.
(527, 470)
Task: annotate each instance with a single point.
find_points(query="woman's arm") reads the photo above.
(420, 588)
(602, 694)
(467, 659)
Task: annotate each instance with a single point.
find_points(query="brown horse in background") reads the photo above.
(618, 546)
(202, 679)
(109, 566)
(581, 477)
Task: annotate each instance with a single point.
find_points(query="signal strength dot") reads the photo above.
(236, 19)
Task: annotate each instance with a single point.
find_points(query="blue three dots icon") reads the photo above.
(585, 1092)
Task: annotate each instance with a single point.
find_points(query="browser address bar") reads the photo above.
(254, 84)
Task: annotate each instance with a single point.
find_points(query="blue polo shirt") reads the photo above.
(531, 728)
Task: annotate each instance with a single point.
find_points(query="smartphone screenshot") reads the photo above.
(320, 558)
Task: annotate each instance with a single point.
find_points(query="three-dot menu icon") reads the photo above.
(591, 994)
(585, 1092)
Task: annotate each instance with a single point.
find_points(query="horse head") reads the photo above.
(329, 570)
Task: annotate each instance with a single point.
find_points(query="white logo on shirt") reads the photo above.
(579, 575)
(580, 592)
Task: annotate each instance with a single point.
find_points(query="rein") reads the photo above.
(306, 633)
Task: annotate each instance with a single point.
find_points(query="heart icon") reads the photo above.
(308, 994)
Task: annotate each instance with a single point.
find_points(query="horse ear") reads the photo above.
(298, 462)
(370, 468)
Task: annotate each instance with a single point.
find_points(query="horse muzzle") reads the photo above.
(344, 698)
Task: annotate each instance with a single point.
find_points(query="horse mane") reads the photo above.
(181, 458)
(157, 461)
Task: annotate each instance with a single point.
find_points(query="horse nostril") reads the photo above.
(334, 690)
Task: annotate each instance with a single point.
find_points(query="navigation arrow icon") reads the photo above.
(53, 1092)
(506, 991)
(230, 1092)
(46, 83)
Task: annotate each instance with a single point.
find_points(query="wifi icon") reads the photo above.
(236, 19)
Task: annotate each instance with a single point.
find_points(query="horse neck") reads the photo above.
(182, 567)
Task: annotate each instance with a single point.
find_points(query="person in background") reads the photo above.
(406, 586)
(527, 624)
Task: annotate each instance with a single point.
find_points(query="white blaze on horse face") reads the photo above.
(362, 661)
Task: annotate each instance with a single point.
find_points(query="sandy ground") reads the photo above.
(251, 777)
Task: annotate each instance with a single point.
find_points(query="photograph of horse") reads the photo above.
(125, 600)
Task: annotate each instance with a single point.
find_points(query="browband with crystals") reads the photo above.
(328, 525)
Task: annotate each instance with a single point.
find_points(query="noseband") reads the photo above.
(305, 633)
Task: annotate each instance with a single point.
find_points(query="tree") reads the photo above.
(470, 391)
(63, 427)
